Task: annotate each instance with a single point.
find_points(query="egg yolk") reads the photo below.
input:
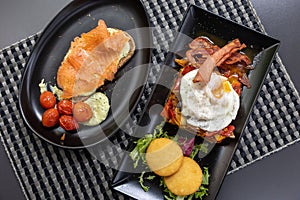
(219, 91)
(226, 86)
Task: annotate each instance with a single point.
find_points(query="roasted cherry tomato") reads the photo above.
(68, 123)
(47, 100)
(65, 107)
(50, 117)
(82, 112)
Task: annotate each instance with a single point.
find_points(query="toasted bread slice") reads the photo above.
(93, 58)
(131, 44)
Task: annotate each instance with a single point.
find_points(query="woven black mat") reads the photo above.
(46, 171)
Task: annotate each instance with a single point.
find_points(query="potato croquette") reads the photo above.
(164, 156)
(186, 180)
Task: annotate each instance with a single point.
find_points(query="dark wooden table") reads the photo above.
(274, 177)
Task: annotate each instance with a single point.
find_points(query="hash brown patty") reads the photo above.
(164, 156)
(186, 180)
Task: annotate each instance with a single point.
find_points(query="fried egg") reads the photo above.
(211, 107)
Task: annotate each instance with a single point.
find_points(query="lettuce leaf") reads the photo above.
(138, 154)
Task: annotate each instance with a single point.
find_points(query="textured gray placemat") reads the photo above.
(46, 171)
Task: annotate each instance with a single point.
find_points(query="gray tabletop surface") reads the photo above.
(274, 177)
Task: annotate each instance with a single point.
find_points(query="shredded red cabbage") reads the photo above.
(186, 145)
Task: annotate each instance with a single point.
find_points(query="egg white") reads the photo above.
(203, 108)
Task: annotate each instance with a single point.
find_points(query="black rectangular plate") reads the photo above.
(220, 30)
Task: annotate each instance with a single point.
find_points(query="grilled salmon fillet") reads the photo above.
(93, 57)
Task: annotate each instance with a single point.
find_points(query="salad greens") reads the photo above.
(197, 148)
(141, 180)
(189, 149)
(138, 153)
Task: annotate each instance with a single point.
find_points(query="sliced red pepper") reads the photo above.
(187, 69)
(225, 132)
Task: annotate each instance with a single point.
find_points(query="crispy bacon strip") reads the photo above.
(200, 49)
(238, 57)
(226, 51)
(198, 56)
(203, 42)
(205, 70)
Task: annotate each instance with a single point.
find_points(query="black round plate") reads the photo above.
(76, 18)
